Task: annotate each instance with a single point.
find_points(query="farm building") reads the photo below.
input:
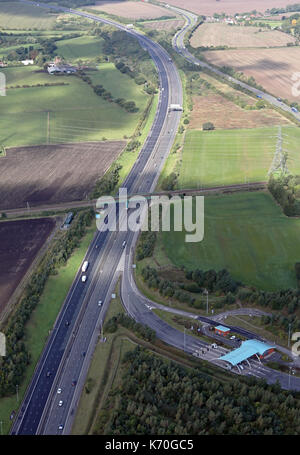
(65, 68)
(221, 330)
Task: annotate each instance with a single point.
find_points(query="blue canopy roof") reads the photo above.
(247, 349)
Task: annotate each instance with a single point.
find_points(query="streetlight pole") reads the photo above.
(206, 292)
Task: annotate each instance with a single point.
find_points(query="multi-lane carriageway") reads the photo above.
(68, 352)
(63, 361)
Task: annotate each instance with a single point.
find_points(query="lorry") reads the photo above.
(84, 266)
(175, 107)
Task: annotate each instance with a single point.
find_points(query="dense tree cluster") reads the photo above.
(161, 397)
(169, 182)
(13, 365)
(108, 182)
(213, 281)
(229, 291)
(292, 25)
(288, 9)
(166, 288)
(129, 57)
(285, 188)
(146, 245)
(140, 330)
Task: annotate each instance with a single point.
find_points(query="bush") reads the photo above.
(169, 182)
(208, 126)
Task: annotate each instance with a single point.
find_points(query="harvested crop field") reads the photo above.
(271, 68)
(209, 7)
(132, 10)
(53, 173)
(236, 36)
(20, 241)
(164, 25)
(225, 114)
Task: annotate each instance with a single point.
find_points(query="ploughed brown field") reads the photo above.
(225, 114)
(209, 7)
(48, 174)
(20, 241)
(211, 34)
(164, 25)
(132, 10)
(271, 68)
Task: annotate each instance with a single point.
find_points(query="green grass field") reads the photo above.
(75, 112)
(247, 234)
(16, 15)
(213, 158)
(83, 47)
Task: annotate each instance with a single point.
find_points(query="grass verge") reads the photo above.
(42, 320)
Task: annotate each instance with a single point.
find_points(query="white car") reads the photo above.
(100, 303)
(232, 338)
(60, 427)
(59, 390)
(60, 403)
(83, 278)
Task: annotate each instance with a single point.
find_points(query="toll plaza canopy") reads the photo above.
(247, 349)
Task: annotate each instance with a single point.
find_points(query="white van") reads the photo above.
(84, 266)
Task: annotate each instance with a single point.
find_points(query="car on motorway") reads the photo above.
(67, 323)
(59, 390)
(83, 278)
(123, 244)
(48, 374)
(60, 427)
(279, 99)
(214, 345)
(233, 337)
(100, 303)
(60, 403)
(74, 383)
(294, 109)
(259, 96)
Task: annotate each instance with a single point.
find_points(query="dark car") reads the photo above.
(48, 374)
(74, 383)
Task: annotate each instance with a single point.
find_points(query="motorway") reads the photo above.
(67, 355)
(70, 346)
(178, 45)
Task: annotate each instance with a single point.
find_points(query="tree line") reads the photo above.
(13, 365)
